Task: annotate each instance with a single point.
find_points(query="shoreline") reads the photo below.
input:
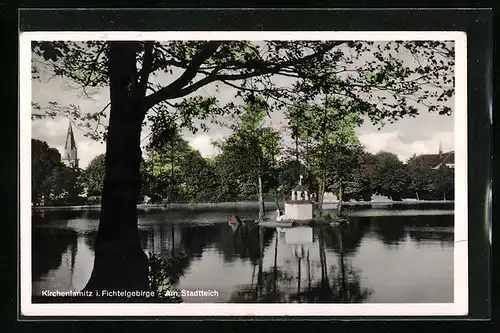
(244, 205)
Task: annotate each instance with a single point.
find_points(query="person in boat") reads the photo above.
(234, 220)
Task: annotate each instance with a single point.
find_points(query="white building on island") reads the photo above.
(300, 206)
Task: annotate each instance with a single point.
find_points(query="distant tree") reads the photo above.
(176, 171)
(93, 176)
(390, 177)
(300, 118)
(286, 177)
(335, 146)
(197, 178)
(420, 176)
(65, 185)
(359, 186)
(44, 160)
(367, 158)
(442, 183)
(252, 149)
(229, 187)
(52, 181)
(362, 186)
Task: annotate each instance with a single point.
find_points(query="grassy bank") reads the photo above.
(167, 207)
(242, 205)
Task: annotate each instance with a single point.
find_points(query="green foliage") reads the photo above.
(250, 151)
(286, 178)
(53, 182)
(93, 176)
(65, 186)
(370, 76)
(420, 177)
(43, 161)
(177, 172)
(367, 158)
(333, 155)
(161, 272)
(360, 187)
(442, 183)
(390, 177)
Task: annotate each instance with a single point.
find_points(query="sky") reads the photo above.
(420, 135)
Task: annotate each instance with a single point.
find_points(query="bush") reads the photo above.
(159, 279)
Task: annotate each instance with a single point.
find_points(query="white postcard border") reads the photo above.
(458, 307)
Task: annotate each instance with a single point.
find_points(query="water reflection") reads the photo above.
(49, 246)
(336, 283)
(370, 259)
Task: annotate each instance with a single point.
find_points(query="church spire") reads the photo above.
(70, 150)
(440, 150)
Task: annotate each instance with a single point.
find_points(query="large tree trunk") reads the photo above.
(276, 199)
(261, 200)
(307, 157)
(322, 185)
(340, 199)
(120, 262)
(321, 196)
(172, 182)
(297, 159)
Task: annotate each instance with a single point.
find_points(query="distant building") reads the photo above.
(436, 161)
(70, 156)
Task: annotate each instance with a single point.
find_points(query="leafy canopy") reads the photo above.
(382, 80)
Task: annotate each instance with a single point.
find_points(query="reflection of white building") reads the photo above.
(298, 235)
(298, 238)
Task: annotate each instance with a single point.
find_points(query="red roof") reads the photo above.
(433, 160)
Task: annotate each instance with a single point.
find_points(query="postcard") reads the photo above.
(243, 173)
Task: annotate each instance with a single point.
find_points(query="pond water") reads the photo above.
(383, 255)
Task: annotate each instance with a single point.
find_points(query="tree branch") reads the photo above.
(146, 67)
(176, 90)
(165, 93)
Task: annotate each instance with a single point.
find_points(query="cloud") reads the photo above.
(392, 142)
(88, 150)
(203, 143)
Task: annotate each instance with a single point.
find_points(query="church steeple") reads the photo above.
(70, 150)
(440, 150)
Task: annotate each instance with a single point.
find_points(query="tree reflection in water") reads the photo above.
(46, 258)
(242, 242)
(285, 276)
(338, 284)
(265, 290)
